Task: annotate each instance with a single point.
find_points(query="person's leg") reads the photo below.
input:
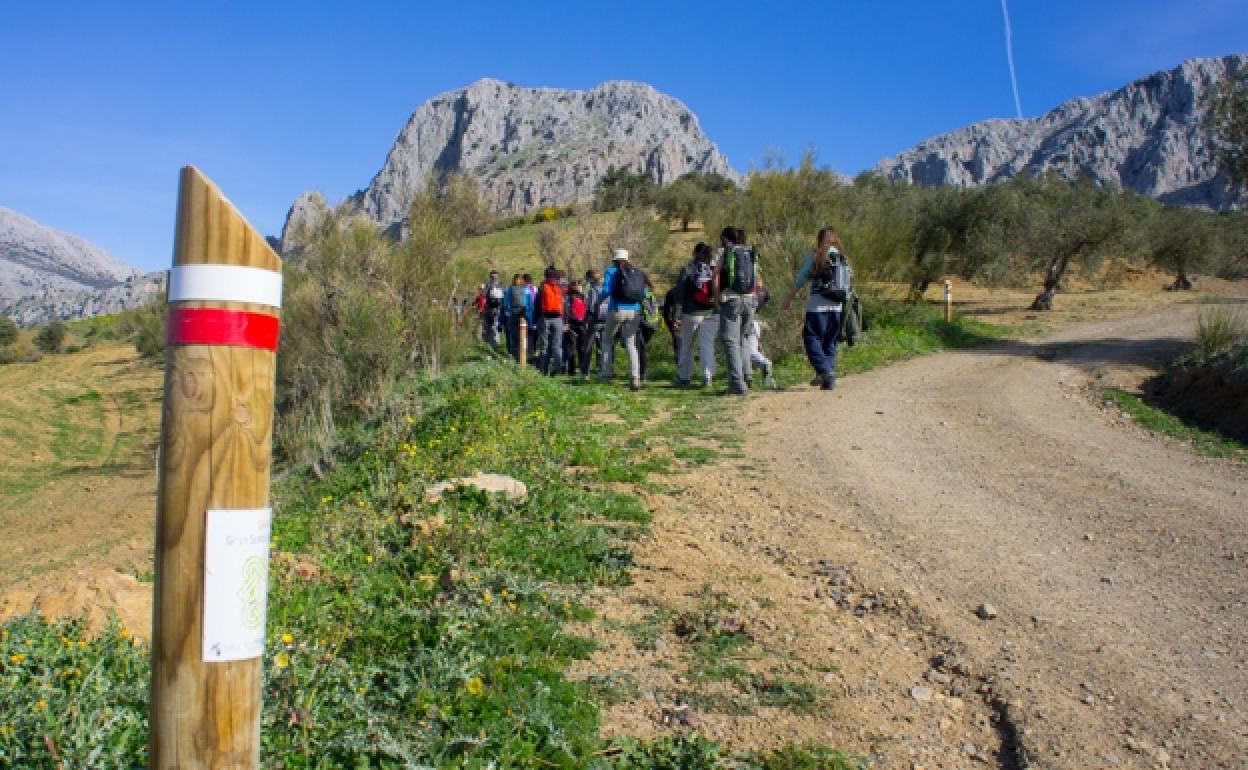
(643, 340)
(606, 348)
(812, 339)
(730, 314)
(513, 337)
(556, 337)
(684, 356)
(629, 323)
(707, 332)
(832, 330)
(586, 348)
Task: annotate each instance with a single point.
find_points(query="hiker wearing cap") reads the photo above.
(736, 281)
(699, 320)
(827, 271)
(549, 312)
(624, 286)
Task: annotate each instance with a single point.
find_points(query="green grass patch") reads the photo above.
(1159, 421)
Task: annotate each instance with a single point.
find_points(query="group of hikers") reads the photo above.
(575, 326)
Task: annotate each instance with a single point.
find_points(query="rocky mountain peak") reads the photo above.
(1150, 136)
(533, 147)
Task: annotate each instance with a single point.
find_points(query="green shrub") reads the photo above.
(51, 337)
(8, 331)
(1219, 328)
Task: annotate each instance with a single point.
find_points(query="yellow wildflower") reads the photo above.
(17, 658)
(42, 704)
(475, 686)
(281, 660)
(487, 597)
(125, 633)
(288, 639)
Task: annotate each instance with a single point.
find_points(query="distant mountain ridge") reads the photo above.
(36, 260)
(531, 147)
(1149, 136)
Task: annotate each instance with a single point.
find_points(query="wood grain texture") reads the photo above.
(216, 448)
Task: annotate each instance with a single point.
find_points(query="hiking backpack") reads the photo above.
(701, 278)
(578, 309)
(493, 296)
(550, 299)
(739, 269)
(834, 282)
(630, 285)
(650, 311)
(519, 293)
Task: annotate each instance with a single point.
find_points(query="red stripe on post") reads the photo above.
(214, 326)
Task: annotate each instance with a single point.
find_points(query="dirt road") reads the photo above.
(1117, 561)
(871, 523)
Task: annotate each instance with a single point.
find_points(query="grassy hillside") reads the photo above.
(73, 427)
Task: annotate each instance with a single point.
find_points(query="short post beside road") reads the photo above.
(948, 301)
(213, 516)
(524, 342)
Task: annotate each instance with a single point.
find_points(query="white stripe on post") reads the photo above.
(225, 283)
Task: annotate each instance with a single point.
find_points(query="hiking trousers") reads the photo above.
(703, 327)
(489, 326)
(819, 333)
(644, 334)
(736, 315)
(550, 343)
(591, 340)
(513, 336)
(625, 323)
(754, 353)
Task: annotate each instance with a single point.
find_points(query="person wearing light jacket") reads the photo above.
(827, 271)
(623, 317)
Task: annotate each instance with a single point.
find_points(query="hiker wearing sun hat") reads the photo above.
(626, 287)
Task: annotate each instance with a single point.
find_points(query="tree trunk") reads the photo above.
(918, 288)
(1181, 282)
(1052, 281)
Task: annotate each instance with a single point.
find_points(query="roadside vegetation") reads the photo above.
(405, 632)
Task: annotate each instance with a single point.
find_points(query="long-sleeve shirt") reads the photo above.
(608, 290)
(817, 302)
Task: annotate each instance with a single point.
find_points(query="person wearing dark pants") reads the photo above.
(591, 341)
(735, 281)
(827, 271)
(551, 307)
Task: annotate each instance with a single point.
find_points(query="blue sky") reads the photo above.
(102, 102)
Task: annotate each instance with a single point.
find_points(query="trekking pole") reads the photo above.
(948, 301)
(212, 508)
(524, 342)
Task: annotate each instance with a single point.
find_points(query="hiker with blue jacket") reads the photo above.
(625, 286)
(517, 305)
(829, 275)
(736, 280)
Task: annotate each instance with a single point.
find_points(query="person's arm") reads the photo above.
(716, 269)
(803, 275)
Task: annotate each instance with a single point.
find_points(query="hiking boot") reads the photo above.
(706, 381)
(679, 383)
(829, 383)
(818, 380)
(634, 385)
(770, 382)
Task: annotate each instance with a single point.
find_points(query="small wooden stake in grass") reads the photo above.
(524, 342)
(212, 519)
(948, 301)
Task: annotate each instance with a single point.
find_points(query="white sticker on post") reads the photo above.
(236, 583)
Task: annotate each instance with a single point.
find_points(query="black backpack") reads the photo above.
(739, 268)
(519, 294)
(833, 283)
(630, 285)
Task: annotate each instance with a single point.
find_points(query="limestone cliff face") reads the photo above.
(36, 260)
(532, 147)
(1150, 136)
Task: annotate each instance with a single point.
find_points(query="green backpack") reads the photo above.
(650, 310)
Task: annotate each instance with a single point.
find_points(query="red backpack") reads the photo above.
(578, 310)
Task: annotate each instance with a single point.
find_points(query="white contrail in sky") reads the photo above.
(1009, 55)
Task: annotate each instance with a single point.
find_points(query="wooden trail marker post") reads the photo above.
(524, 342)
(213, 515)
(948, 301)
